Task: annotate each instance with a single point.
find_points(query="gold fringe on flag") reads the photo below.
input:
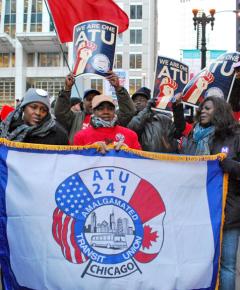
(151, 155)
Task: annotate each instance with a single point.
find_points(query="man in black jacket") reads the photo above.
(156, 131)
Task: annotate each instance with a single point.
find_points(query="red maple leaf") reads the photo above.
(149, 237)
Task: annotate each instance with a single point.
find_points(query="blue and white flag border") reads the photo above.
(126, 152)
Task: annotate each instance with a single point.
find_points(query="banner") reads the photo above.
(215, 80)
(68, 13)
(74, 219)
(94, 47)
(170, 78)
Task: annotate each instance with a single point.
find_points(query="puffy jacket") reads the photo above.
(156, 131)
(73, 121)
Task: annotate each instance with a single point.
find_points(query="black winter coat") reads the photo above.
(156, 131)
(56, 136)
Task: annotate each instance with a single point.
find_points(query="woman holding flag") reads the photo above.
(32, 122)
(216, 131)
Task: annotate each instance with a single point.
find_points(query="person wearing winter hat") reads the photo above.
(155, 130)
(75, 121)
(103, 129)
(140, 98)
(31, 121)
(76, 104)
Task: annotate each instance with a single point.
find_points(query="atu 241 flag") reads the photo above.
(68, 13)
(73, 219)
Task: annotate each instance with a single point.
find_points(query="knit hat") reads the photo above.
(36, 95)
(144, 91)
(91, 91)
(99, 99)
(75, 100)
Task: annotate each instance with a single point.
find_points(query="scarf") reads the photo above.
(14, 129)
(201, 136)
(97, 122)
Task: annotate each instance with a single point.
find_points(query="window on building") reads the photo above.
(10, 18)
(30, 59)
(135, 36)
(0, 10)
(7, 91)
(25, 15)
(134, 84)
(51, 85)
(4, 60)
(135, 11)
(49, 59)
(118, 60)
(36, 16)
(13, 59)
(135, 61)
(65, 59)
(97, 84)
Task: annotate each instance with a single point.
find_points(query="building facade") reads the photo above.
(31, 55)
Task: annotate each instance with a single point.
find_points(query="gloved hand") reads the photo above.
(151, 104)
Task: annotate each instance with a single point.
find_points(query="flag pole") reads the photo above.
(60, 45)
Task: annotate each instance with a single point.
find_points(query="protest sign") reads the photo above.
(94, 47)
(215, 80)
(170, 78)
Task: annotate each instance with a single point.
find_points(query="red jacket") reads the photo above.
(109, 135)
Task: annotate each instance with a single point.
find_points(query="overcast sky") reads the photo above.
(175, 29)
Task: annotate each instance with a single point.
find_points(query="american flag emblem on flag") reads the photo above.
(71, 196)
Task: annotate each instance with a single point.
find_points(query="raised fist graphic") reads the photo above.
(84, 52)
(195, 91)
(167, 88)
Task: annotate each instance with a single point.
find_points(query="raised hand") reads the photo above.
(113, 80)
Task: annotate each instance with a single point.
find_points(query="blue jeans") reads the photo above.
(228, 259)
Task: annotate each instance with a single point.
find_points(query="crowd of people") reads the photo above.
(135, 124)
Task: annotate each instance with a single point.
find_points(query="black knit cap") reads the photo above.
(91, 91)
(75, 100)
(144, 91)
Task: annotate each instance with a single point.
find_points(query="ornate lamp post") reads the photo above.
(203, 20)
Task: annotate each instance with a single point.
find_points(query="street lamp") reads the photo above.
(203, 20)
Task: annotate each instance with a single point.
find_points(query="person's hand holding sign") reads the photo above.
(113, 80)
(84, 52)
